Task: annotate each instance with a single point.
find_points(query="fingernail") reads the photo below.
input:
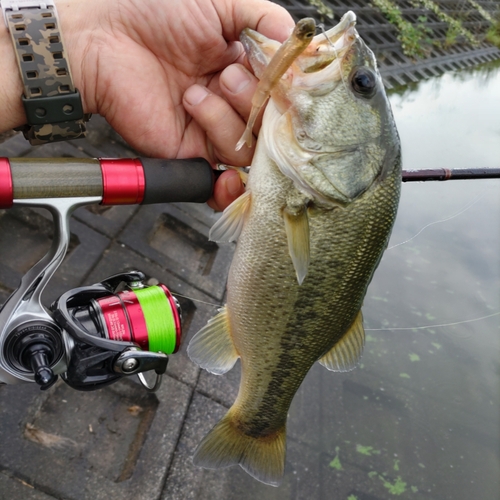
(234, 185)
(195, 94)
(235, 78)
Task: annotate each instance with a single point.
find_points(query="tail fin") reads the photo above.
(225, 445)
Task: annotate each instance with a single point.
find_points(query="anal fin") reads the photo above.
(297, 232)
(345, 354)
(212, 347)
(229, 226)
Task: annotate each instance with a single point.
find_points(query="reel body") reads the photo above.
(100, 333)
(114, 333)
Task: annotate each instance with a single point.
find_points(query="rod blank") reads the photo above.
(445, 174)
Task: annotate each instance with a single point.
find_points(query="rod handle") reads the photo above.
(118, 181)
(188, 180)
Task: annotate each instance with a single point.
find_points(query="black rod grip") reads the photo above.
(188, 180)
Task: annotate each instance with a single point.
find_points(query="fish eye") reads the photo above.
(363, 82)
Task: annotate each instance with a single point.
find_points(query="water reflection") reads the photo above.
(452, 121)
(448, 274)
(420, 417)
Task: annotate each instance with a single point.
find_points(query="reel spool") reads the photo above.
(148, 316)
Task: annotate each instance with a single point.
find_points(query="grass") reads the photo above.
(493, 34)
(413, 38)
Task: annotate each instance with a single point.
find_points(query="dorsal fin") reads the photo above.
(297, 233)
(229, 226)
(212, 347)
(345, 354)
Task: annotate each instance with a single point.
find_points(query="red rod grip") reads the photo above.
(6, 186)
(123, 181)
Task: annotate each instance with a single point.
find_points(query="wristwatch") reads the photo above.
(53, 105)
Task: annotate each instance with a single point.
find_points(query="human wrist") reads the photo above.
(80, 24)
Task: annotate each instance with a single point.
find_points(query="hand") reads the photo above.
(162, 73)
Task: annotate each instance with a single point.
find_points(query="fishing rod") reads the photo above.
(445, 174)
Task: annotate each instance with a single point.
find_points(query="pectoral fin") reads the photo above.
(212, 347)
(297, 232)
(345, 354)
(229, 226)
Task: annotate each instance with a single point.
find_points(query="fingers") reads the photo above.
(263, 16)
(227, 188)
(221, 122)
(223, 126)
(238, 86)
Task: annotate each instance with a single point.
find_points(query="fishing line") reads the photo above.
(196, 300)
(438, 222)
(337, 58)
(161, 327)
(431, 326)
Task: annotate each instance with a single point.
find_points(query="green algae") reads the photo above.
(367, 450)
(396, 488)
(335, 463)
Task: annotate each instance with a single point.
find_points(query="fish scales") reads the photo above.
(312, 226)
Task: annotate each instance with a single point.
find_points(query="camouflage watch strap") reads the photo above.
(53, 106)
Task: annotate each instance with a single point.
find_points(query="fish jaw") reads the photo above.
(322, 50)
(259, 49)
(329, 45)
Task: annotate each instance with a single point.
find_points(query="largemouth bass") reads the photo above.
(321, 200)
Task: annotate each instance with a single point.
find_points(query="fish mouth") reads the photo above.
(329, 45)
(325, 47)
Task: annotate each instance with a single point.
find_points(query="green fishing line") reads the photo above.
(159, 319)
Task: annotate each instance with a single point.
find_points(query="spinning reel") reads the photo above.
(94, 335)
